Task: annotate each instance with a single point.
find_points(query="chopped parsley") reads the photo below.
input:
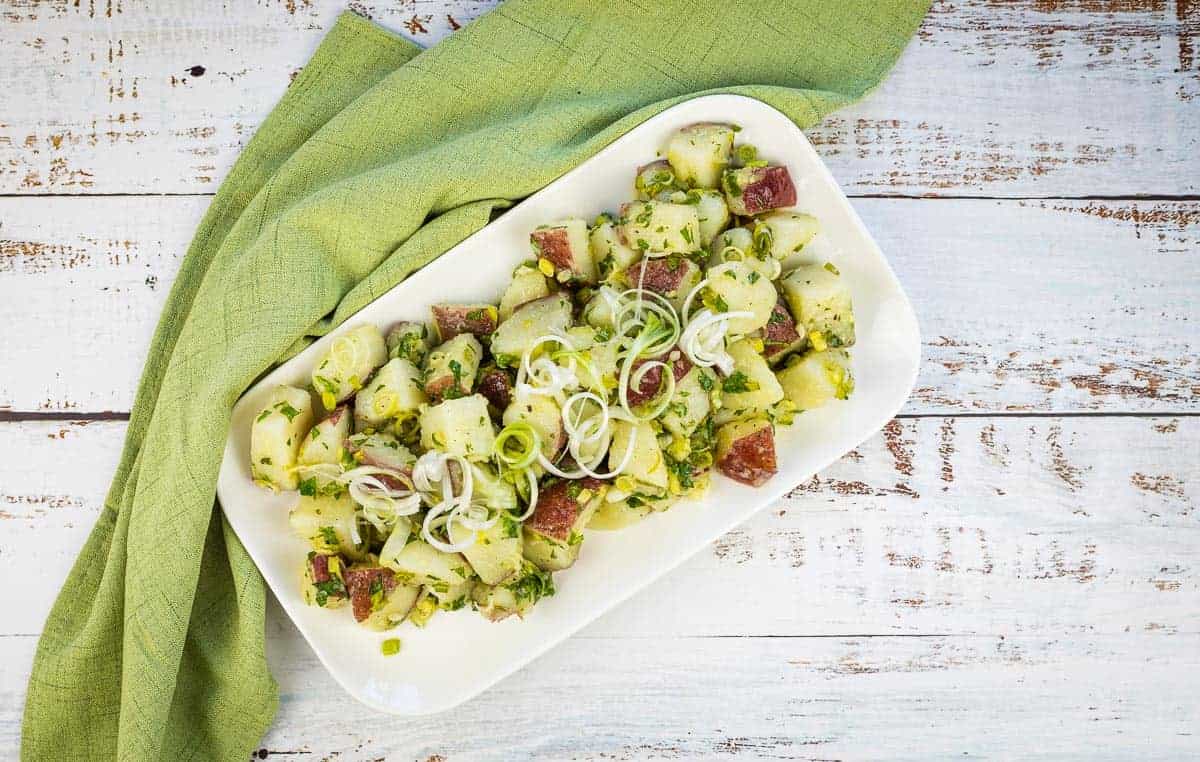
(332, 587)
(737, 382)
(377, 594)
(533, 585)
(329, 535)
(706, 382)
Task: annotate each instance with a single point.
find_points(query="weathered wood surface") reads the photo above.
(956, 584)
(1011, 573)
(1071, 696)
(1024, 305)
(1025, 98)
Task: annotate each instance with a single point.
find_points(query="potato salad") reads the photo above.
(457, 463)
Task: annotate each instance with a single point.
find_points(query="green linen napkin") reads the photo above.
(379, 158)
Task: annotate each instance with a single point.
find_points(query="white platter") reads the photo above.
(460, 654)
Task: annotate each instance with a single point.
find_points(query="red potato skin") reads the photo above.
(780, 333)
(318, 565)
(772, 189)
(554, 245)
(436, 387)
(367, 460)
(556, 510)
(496, 386)
(453, 319)
(751, 459)
(651, 383)
(358, 584)
(335, 417)
(663, 275)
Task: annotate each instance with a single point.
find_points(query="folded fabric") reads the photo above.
(379, 158)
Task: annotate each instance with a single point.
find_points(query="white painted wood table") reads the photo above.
(1009, 570)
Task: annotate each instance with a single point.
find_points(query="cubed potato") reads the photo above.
(784, 234)
(529, 322)
(350, 361)
(690, 404)
(754, 190)
(654, 179)
(419, 563)
(740, 242)
(496, 385)
(751, 389)
(408, 341)
(544, 416)
(394, 392)
(816, 378)
(459, 427)
(711, 211)
(553, 535)
(451, 367)
(700, 152)
(746, 451)
(496, 554)
(737, 287)
(598, 312)
(565, 246)
(820, 303)
(329, 523)
(376, 598)
(325, 442)
(651, 384)
(672, 276)
(381, 450)
(600, 372)
(516, 595)
(780, 337)
(646, 471)
(452, 597)
(608, 250)
(276, 435)
(618, 514)
(493, 490)
(527, 284)
(450, 320)
(322, 581)
(660, 226)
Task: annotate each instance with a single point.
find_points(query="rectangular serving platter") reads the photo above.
(460, 654)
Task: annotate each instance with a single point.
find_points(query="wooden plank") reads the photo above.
(949, 526)
(1077, 695)
(1043, 306)
(1030, 98)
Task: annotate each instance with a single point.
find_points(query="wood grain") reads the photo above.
(1049, 306)
(1030, 98)
(999, 588)
(1071, 696)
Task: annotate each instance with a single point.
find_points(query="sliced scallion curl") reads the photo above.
(517, 445)
(704, 339)
(533, 494)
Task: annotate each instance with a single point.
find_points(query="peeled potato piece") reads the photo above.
(351, 359)
(277, 435)
(698, 153)
(737, 287)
